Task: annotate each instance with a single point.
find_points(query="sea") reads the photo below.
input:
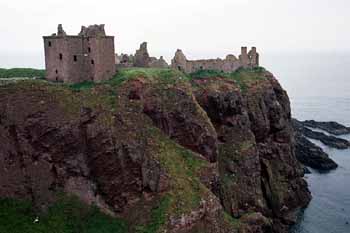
(318, 84)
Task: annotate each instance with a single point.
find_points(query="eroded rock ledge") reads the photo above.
(328, 140)
(210, 154)
(331, 127)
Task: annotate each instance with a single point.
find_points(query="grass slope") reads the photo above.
(67, 215)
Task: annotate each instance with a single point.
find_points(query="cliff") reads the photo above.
(157, 149)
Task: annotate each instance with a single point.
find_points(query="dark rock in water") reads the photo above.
(307, 170)
(331, 127)
(331, 141)
(311, 155)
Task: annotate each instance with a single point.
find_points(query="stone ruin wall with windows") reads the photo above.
(88, 56)
(229, 64)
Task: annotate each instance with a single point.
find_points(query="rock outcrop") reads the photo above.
(208, 155)
(331, 127)
(328, 140)
(311, 155)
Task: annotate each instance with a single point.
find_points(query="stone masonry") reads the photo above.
(88, 56)
(229, 64)
(140, 59)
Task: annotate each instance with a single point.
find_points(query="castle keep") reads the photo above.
(229, 64)
(88, 56)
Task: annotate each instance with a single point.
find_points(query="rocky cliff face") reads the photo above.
(209, 154)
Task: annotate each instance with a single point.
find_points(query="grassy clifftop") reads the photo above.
(242, 77)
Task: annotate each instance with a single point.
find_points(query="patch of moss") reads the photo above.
(67, 215)
(82, 85)
(182, 166)
(233, 222)
(158, 217)
(246, 145)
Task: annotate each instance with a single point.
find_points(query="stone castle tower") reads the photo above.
(88, 56)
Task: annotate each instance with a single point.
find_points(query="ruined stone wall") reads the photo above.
(86, 57)
(140, 59)
(158, 63)
(229, 64)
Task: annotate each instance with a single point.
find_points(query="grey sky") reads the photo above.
(202, 28)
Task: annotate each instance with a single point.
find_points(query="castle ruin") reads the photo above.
(88, 56)
(229, 64)
(140, 59)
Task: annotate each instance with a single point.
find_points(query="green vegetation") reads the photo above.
(232, 221)
(243, 76)
(67, 215)
(124, 74)
(158, 217)
(22, 73)
(183, 167)
(82, 85)
(154, 74)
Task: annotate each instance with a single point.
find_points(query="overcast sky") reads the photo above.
(201, 28)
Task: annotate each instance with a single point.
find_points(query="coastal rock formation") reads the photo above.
(330, 141)
(211, 155)
(311, 155)
(331, 127)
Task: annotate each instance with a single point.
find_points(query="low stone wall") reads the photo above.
(229, 64)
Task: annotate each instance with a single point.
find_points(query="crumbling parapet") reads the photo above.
(60, 31)
(93, 31)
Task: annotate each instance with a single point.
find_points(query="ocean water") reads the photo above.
(318, 85)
